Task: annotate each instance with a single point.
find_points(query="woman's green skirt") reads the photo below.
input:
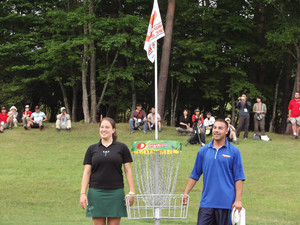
(106, 203)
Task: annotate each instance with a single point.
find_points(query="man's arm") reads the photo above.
(238, 195)
(45, 118)
(189, 186)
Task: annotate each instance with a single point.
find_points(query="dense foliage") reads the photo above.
(220, 48)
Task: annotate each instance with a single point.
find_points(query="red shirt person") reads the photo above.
(197, 116)
(3, 119)
(294, 114)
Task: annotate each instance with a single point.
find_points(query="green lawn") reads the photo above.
(40, 176)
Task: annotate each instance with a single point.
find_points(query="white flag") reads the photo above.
(155, 32)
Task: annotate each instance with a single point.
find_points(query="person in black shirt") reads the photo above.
(184, 123)
(103, 172)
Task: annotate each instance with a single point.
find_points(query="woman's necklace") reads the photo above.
(106, 143)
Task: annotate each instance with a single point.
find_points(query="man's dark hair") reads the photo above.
(297, 92)
(138, 104)
(223, 121)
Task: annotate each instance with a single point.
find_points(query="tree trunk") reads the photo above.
(85, 98)
(74, 102)
(107, 79)
(286, 97)
(165, 59)
(65, 96)
(297, 78)
(92, 68)
(174, 98)
(272, 122)
(133, 91)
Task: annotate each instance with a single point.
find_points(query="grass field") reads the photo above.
(40, 176)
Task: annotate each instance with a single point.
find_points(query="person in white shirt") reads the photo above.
(63, 120)
(151, 120)
(208, 123)
(231, 135)
(12, 117)
(37, 118)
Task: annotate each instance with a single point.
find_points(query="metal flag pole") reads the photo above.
(157, 169)
(155, 84)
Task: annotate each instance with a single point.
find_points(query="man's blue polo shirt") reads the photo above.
(220, 169)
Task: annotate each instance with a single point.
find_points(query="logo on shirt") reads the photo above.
(105, 152)
(226, 156)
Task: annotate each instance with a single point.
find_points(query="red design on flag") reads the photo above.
(155, 32)
(141, 145)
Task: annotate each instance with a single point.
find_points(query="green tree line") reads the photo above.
(87, 55)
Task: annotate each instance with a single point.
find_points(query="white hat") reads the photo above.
(62, 109)
(13, 107)
(27, 106)
(227, 119)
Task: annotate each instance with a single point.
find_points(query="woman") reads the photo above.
(260, 111)
(184, 124)
(103, 172)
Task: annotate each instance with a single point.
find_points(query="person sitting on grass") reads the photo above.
(63, 120)
(231, 135)
(209, 123)
(137, 119)
(151, 120)
(12, 117)
(37, 118)
(26, 116)
(184, 124)
(3, 120)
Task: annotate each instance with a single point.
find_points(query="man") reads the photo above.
(12, 117)
(260, 110)
(244, 107)
(197, 116)
(198, 136)
(63, 120)
(37, 118)
(26, 116)
(151, 120)
(220, 163)
(208, 123)
(294, 114)
(137, 119)
(198, 126)
(3, 120)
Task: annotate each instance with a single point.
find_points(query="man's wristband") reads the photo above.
(131, 193)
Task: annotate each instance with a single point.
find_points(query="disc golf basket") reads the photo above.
(156, 165)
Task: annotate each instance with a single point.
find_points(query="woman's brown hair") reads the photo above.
(113, 124)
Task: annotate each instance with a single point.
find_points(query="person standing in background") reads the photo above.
(294, 114)
(260, 111)
(244, 107)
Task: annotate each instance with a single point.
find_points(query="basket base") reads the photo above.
(157, 206)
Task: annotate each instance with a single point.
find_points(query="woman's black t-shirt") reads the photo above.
(184, 120)
(107, 164)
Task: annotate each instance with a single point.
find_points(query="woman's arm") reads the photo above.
(129, 177)
(84, 184)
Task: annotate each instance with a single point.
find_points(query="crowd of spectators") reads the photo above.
(30, 119)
